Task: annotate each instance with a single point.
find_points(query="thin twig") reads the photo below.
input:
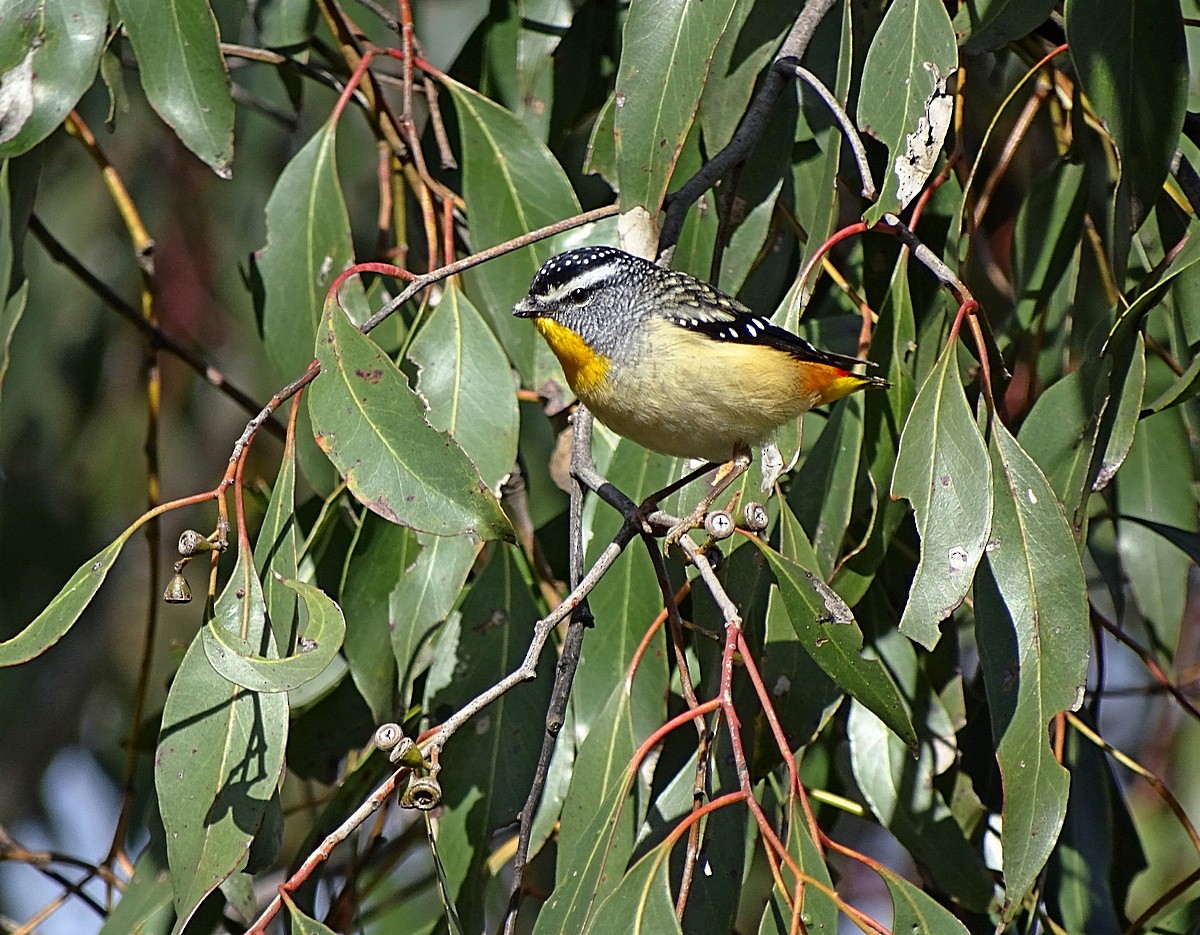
(41, 861)
(703, 735)
(1155, 783)
(1173, 892)
(452, 269)
(564, 678)
(750, 129)
(849, 130)
(541, 631)
(1148, 661)
(1011, 143)
(143, 248)
(206, 371)
(373, 802)
(271, 57)
(968, 307)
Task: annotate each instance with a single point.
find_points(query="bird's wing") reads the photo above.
(705, 310)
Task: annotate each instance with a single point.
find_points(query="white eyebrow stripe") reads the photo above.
(586, 277)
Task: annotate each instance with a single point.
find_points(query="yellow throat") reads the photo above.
(584, 368)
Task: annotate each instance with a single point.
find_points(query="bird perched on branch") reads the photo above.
(668, 361)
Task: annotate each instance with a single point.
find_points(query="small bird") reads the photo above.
(668, 361)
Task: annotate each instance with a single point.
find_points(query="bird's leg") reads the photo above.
(726, 474)
(650, 504)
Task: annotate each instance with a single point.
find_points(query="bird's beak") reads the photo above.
(526, 308)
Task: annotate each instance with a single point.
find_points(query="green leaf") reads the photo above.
(915, 911)
(901, 793)
(1047, 234)
(803, 695)
(397, 587)
(830, 57)
(146, 906)
(601, 158)
(822, 492)
(49, 59)
(284, 23)
(21, 17)
(220, 754)
(1131, 57)
(114, 80)
(717, 886)
(308, 245)
(449, 911)
(819, 913)
(987, 25)
(1182, 919)
(942, 468)
(275, 551)
(599, 819)
(884, 413)
(1185, 387)
(1187, 542)
(904, 102)
(747, 44)
(466, 380)
(424, 595)
(642, 901)
(1124, 418)
(829, 633)
(1060, 434)
(10, 317)
(235, 659)
(793, 540)
(1155, 485)
(1093, 408)
(378, 557)
(694, 252)
(667, 50)
(6, 264)
(303, 924)
(1031, 623)
(183, 74)
(513, 184)
(52, 624)
(495, 756)
(1098, 853)
(542, 23)
(372, 426)
(627, 599)
(1131, 316)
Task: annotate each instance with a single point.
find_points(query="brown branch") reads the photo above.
(751, 128)
(451, 269)
(160, 339)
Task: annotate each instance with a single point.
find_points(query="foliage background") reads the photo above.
(1052, 260)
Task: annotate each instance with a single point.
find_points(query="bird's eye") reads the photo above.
(577, 296)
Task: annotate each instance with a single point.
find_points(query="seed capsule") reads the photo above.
(177, 591)
(754, 515)
(719, 524)
(424, 793)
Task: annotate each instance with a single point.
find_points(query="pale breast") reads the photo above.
(696, 398)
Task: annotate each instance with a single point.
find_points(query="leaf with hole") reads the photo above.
(49, 53)
(942, 468)
(904, 101)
